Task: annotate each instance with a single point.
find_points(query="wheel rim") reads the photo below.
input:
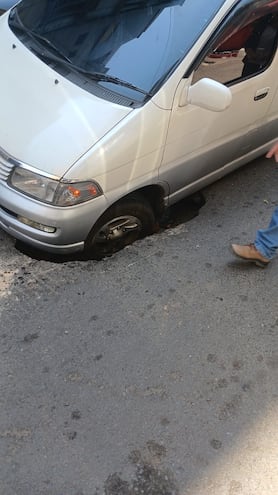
(118, 229)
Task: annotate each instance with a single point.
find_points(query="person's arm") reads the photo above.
(273, 152)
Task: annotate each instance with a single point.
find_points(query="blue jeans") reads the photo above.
(266, 241)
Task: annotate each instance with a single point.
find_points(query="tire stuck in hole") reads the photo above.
(122, 224)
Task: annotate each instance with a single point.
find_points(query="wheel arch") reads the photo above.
(153, 194)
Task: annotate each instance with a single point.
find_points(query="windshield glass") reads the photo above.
(136, 41)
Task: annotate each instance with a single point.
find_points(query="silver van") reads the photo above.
(110, 111)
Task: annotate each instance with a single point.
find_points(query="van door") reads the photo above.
(200, 142)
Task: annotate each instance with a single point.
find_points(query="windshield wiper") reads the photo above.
(17, 24)
(100, 76)
(94, 76)
(59, 56)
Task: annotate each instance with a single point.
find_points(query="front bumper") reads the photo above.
(72, 224)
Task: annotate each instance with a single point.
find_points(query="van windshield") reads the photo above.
(135, 41)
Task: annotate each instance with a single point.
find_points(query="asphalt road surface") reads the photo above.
(152, 372)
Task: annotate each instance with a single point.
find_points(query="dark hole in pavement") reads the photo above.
(179, 213)
(183, 211)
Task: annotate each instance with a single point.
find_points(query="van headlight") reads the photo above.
(57, 193)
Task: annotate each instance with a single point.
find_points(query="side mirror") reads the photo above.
(209, 94)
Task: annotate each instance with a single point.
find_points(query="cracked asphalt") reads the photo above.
(151, 372)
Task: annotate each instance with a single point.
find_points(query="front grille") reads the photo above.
(7, 164)
(5, 170)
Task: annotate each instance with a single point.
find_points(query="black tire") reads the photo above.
(122, 224)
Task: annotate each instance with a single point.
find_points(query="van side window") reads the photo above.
(243, 54)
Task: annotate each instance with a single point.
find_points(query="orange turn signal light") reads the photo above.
(75, 192)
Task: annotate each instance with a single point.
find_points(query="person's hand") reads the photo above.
(273, 152)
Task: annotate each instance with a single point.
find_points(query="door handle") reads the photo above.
(261, 93)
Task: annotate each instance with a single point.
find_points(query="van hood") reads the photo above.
(45, 120)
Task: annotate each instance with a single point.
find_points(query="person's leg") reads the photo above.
(264, 247)
(266, 241)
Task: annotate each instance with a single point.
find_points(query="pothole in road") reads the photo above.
(181, 212)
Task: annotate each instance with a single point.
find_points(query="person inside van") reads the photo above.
(259, 46)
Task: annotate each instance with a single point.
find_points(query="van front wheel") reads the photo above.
(121, 225)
